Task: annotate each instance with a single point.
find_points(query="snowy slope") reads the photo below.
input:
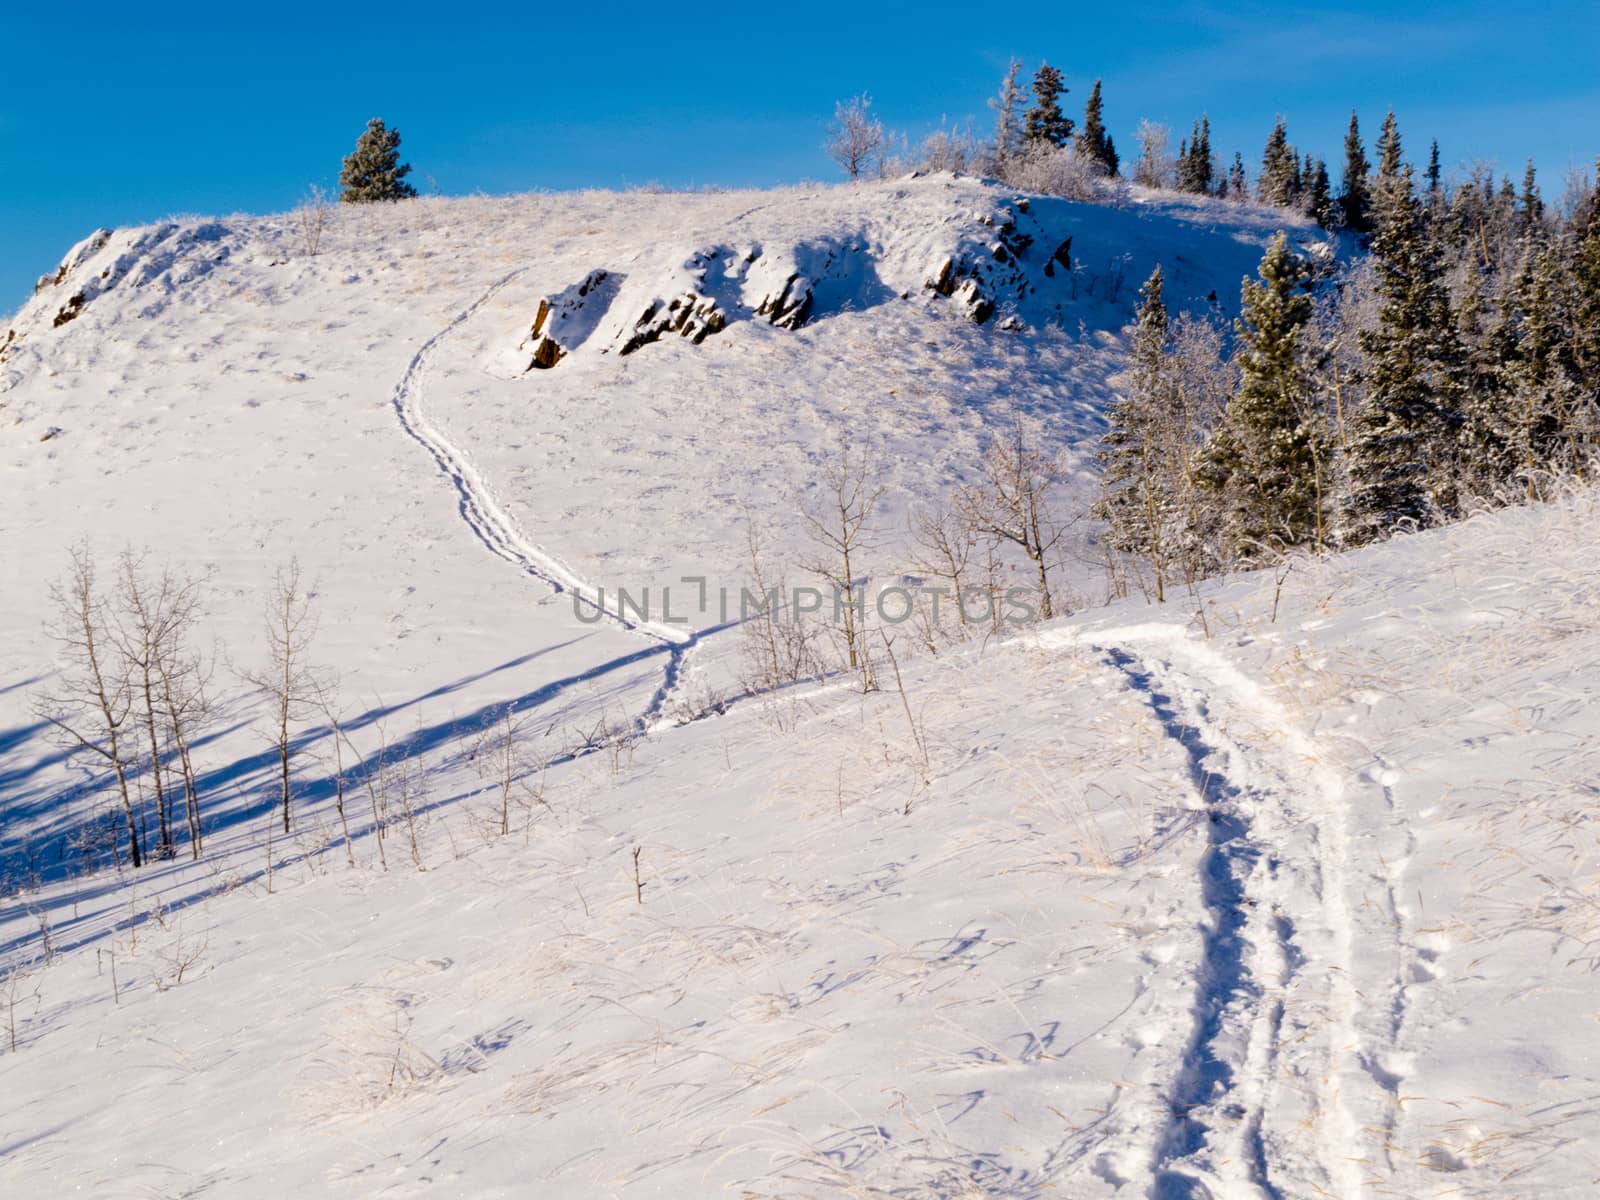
(1291, 900)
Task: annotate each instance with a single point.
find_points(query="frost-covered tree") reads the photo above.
(373, 172)
(855, 138)
(1007, 106)
(1532, 209)
(1196, 167)
(1267, 459)
(1154, 168)
(1318, 195)
(1280, 169)
(1355, 199)
(1137, 503)
(1045, 124)
(1238, 183)
(1402, 464)
(1390, 152)
(90, 704)
(1093, 141)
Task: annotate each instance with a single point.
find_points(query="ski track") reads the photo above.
(498, 531)
(1262, 1108)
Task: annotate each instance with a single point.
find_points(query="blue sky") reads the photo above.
(112, 118)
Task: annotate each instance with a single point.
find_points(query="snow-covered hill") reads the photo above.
(1283, 891)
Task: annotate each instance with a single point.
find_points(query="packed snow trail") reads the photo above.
(493, 526)
(1262, 1108)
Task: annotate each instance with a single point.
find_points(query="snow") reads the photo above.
(1282, 890)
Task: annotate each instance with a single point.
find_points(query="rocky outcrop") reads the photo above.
(690, 315)
(998, 267)
(790, 307)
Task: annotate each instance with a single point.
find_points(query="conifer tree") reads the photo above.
(1138, 502)
(1433, 174)
(1532, 204)
(1044, 124)
(1093, 143)
(1489, 347)
(1389, 150)
(1402, 463)
(1586, 312)
(1266, 461)
(1319, 198)
(1238, 184)
(1007, 107)
(1355, 201)
(1195, 165)
(1280, 168)
(374, 172)
(1545, 390)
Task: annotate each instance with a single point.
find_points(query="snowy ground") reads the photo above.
(1290, 895)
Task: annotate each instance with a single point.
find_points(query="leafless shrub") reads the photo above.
(1156, 163)
(855, 138)
(778, 643)
(311, 218)
(840, 524)
(1014, 503)
(502, 756)
(1060, 171)
(291, 687)
(90, 706)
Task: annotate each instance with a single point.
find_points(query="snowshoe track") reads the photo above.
(499, 532)
(1263, 1107)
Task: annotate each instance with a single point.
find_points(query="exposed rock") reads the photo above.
(69, 311)
(690, 315)
(790, 308)
(54, 431)
(547, 352)
(970, 296)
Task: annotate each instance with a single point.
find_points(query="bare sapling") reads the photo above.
(312, 217)
(90, 707)
(154, 617)
(841, 531)
(328, 703)
(289, 684)
(777, 640)
(855, 137)
(502, 756)
(1012, 502)
(946, 545)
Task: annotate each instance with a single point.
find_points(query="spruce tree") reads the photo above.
(1138, 502)
(1355, 201)
(1266, 461)
(1389, 150)
(1545, 388)
(1586, 312)
(1532, 204)
(374, 172)
(1433, 174)
(1092, 142)
(1280, 167)
(1238, 183)
(1007, 107)
(1044, 124)
(1402, 461)
(1196, 167)
(1319, 198)
(1489, 347)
